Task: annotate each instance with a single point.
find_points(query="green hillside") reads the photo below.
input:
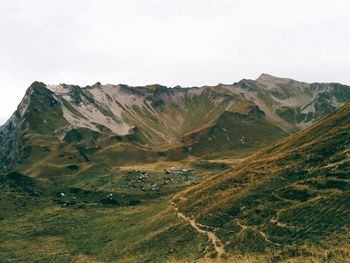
(226, 173)
(234, 134)
(288, 201)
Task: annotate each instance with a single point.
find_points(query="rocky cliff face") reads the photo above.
(100, 120)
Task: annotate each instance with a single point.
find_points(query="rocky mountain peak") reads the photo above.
(157, 116)
(272, 81)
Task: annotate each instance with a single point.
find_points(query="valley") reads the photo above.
(254, 171)
(120, 216)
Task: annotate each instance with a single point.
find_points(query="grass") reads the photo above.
(234, 132)
(293, 196)
(69, 107)
(79, 226)
(96, 197)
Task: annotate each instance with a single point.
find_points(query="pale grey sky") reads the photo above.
(170, 42)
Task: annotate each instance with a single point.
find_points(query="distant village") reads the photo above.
(174, 170)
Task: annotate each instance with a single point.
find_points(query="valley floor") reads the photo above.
(125, 215)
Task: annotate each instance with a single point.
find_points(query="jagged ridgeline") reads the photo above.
(72, 128)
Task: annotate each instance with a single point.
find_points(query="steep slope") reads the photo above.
(234, 134)
(33, 132)
(301, 103)
(65, 126)
(73, 197)
(292, 198)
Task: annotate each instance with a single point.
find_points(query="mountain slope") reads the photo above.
(292, 197)
(78, 191)
(97, 123)
(234, 131)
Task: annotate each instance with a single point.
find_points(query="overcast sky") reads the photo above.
(170, 42)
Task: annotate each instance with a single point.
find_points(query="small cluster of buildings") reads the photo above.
(174, 170)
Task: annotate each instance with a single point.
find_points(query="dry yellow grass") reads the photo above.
(157, 166)
(326, 256)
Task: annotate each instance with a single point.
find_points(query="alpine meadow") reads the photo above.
(113, 173)
(218, 162)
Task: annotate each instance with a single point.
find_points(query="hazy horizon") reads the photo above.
(170, 43)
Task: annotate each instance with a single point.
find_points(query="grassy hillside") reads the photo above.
(83, 178)
(233, 134)
(291, 200)
(121, 215)
(288, 203)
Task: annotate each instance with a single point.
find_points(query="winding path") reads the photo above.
(219, 247)
(254, 228)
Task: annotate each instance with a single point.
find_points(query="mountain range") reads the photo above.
(119, 123)
(254, 171)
